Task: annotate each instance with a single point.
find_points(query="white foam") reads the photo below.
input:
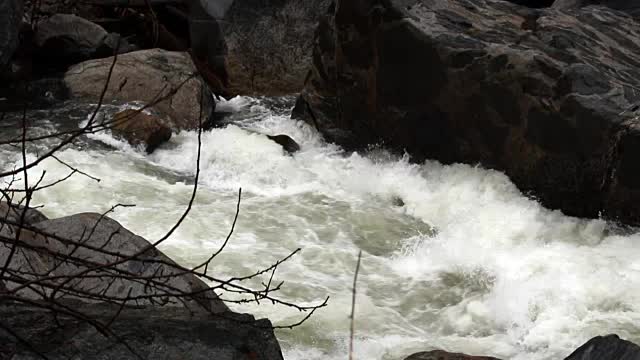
(502, 276)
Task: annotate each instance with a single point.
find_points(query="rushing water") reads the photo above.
(467, 263)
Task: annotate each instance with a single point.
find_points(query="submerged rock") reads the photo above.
(443, 355)
(166, 79)
(287, 143)
(546, 96)
(139, 128)
(609, 347)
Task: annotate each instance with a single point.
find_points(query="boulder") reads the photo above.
(609, 347)
(287, 143)
(547, 96)
(152, 333)
(443, 355)
(139, 128)
(101, 232)
(10, 19)
(65, 39)
(166, 79)
(269, 44)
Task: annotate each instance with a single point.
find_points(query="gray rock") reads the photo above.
(10, 19)
(153, 333)
(147, 76)
(105, 233)
(546, 96)
(609, 347)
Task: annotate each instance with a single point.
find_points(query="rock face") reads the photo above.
(609, 347)
(547, 96)
(630, 6)
(167, 79)
(65, 39)
(10, 19)
(269, 44)
(139, 128)
(443, 355)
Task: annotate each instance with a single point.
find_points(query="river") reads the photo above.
(464, 262)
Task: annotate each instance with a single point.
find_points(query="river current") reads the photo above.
(464, 262)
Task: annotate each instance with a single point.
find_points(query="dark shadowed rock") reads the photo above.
(139, 128)
(270, 44)
(153, 333)
(287, 143)
(168, 79)
(536, 4)
(609, 347)
(547, 96)
(443, 355)
(10, 19)
(65, 39)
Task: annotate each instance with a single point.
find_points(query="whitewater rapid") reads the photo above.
(467, 263)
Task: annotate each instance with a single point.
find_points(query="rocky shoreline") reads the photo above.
(548, 95)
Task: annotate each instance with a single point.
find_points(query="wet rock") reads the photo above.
(162, 334)
(397, 201)
(609, 347)
(443, 355)
(542, 94)
(139, 128)
(10, 19)
(533, 3)
(269, 44)
(167, 79)
(65, 39)
(287, 143)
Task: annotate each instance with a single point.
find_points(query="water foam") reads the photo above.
(500, 275)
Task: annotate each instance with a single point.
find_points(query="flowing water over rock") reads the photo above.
(454, 257)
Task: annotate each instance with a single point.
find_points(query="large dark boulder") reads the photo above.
(168, 80)
(609, 347)
(10, 19)
(270, 43)
(547, 96)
